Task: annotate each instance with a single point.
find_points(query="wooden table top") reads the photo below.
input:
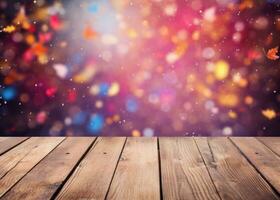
(139, 168)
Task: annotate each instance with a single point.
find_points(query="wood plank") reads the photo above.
(184, 174)
(137, 174)
(262, 158)
(7, 143)
(48, 175)
(21, 159)
(100, 164)
(232, 174)
(272, 143)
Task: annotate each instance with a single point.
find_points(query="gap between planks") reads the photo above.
(8, 143)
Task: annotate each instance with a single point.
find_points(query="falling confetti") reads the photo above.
(9, 29)
(272, 53)
(269, 113)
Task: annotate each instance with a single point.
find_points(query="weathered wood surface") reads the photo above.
(137, 174)
(262, 158)
(139, 168)
(95, 171)
(48, 175)
(21, 159)
(232, 174)
(184, 174)
(7, 143)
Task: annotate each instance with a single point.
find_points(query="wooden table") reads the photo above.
(139, 168)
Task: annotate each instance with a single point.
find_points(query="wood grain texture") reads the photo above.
(21, 159)
(137, 174)
(233, 176)
(48, 175)
(184, 174)
(272, 143)
(120, 168)
(262, 158)
(92, 177)
(7, 143)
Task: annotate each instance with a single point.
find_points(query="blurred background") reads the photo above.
(140, 67)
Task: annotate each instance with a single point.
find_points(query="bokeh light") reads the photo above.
(139, 67)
